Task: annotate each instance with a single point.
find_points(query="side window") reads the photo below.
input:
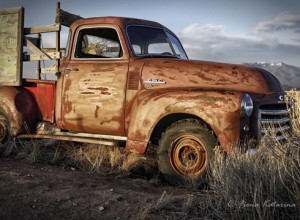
(98, 43)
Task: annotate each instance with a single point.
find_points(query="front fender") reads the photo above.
(20, 107)
(220, 110)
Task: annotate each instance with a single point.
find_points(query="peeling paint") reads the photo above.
(207, 75)
(97, 92)
(103, 91)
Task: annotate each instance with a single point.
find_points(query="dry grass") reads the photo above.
(241, 186)
(171, 206)
(103, 159)
(90, 157)
(132, 160)
(244, 186)
(293, 100)
(261, 186)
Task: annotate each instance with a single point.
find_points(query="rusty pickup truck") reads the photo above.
(129, 82)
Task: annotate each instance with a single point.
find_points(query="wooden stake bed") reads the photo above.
(13, 39)
(11, 48)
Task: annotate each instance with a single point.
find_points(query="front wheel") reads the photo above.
(185, 150)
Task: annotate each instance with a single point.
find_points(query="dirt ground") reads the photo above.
(39, 191)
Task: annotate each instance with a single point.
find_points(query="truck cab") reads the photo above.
(128, 82)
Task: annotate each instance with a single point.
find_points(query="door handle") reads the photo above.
(72, 68)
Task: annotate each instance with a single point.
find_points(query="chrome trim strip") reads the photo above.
(154, 81)
(267, 122)
(274, 112)
(275, 121)
(280, 129)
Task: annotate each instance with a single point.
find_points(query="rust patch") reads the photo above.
(104, 91)
(202, 76)
(234, 73)
(66, 104)
(110, 120)
(96, 111)
(158, 72)
(146, 123)
(193, 81)
(208, 75)
(87, 93)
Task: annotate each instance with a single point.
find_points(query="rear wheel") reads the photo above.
(185, 150)
(4, 128)
(6, 141)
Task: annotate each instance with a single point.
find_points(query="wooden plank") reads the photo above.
(33, 40)
(65, 18)
(57, 62)
(42, 29)
(36, 57)
(52, 69)
(49, 70)
(37, 51)
(52, 50)
(11, 47)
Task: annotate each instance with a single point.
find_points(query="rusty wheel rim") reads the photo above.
(188, 156)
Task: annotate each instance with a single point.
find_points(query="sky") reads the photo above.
(231, 31)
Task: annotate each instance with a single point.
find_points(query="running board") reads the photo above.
(107, 142)
(49, 131)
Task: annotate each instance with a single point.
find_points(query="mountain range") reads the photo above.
(288, 75)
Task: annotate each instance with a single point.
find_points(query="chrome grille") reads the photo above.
(273, 121)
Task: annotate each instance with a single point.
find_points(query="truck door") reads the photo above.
(94, 83)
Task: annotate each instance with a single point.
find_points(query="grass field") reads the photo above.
(241, 186)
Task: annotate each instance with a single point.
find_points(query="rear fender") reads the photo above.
(220, 110)
(20, 107)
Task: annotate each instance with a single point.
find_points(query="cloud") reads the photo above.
(211, 42)
(208, 28)
(284, 21)
(296, 40)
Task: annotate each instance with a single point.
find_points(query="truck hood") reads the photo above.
(191, 74)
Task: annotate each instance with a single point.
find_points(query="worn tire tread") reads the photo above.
(190, 123)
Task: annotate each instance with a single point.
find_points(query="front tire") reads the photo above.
(185, 150)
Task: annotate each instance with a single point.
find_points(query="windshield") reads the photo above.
(146, 41)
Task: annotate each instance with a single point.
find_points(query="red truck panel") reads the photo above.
(44, 94)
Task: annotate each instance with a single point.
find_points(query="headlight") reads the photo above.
(246, 105)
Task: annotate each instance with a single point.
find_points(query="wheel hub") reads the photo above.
(188, 155)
